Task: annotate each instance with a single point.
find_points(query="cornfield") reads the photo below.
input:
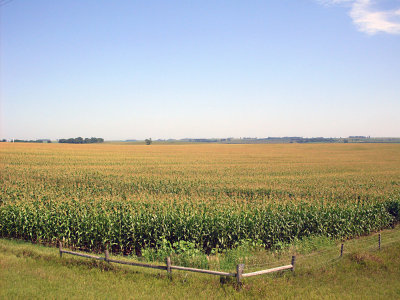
(216, 196)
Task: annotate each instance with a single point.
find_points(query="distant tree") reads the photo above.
(148, 141)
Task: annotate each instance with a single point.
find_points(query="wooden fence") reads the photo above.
(239, 274)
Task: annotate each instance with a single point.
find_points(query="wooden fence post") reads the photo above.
(107, 255)
(60, 248)
(293, 262)
(239, 273)
(341, 250)
(379, 242)
(168, 261)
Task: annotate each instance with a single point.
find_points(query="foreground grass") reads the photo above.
(35, 271)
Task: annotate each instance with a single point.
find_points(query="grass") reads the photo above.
(36, 271)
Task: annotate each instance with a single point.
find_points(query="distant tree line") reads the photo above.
(80, 140)
(315, 140)
(32, 141)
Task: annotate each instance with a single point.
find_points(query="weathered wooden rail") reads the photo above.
(288, 267)
(169, 267)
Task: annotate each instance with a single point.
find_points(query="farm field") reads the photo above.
(213, 197)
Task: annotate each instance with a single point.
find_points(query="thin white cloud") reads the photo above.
(369, 18)
(332, 2)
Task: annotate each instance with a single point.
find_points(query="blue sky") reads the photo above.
(175, 69)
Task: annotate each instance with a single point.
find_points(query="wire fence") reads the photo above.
(331, 256)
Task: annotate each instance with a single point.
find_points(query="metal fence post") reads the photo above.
(379, 242)
(293, 262)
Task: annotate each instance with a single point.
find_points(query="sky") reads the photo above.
(176, 69)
